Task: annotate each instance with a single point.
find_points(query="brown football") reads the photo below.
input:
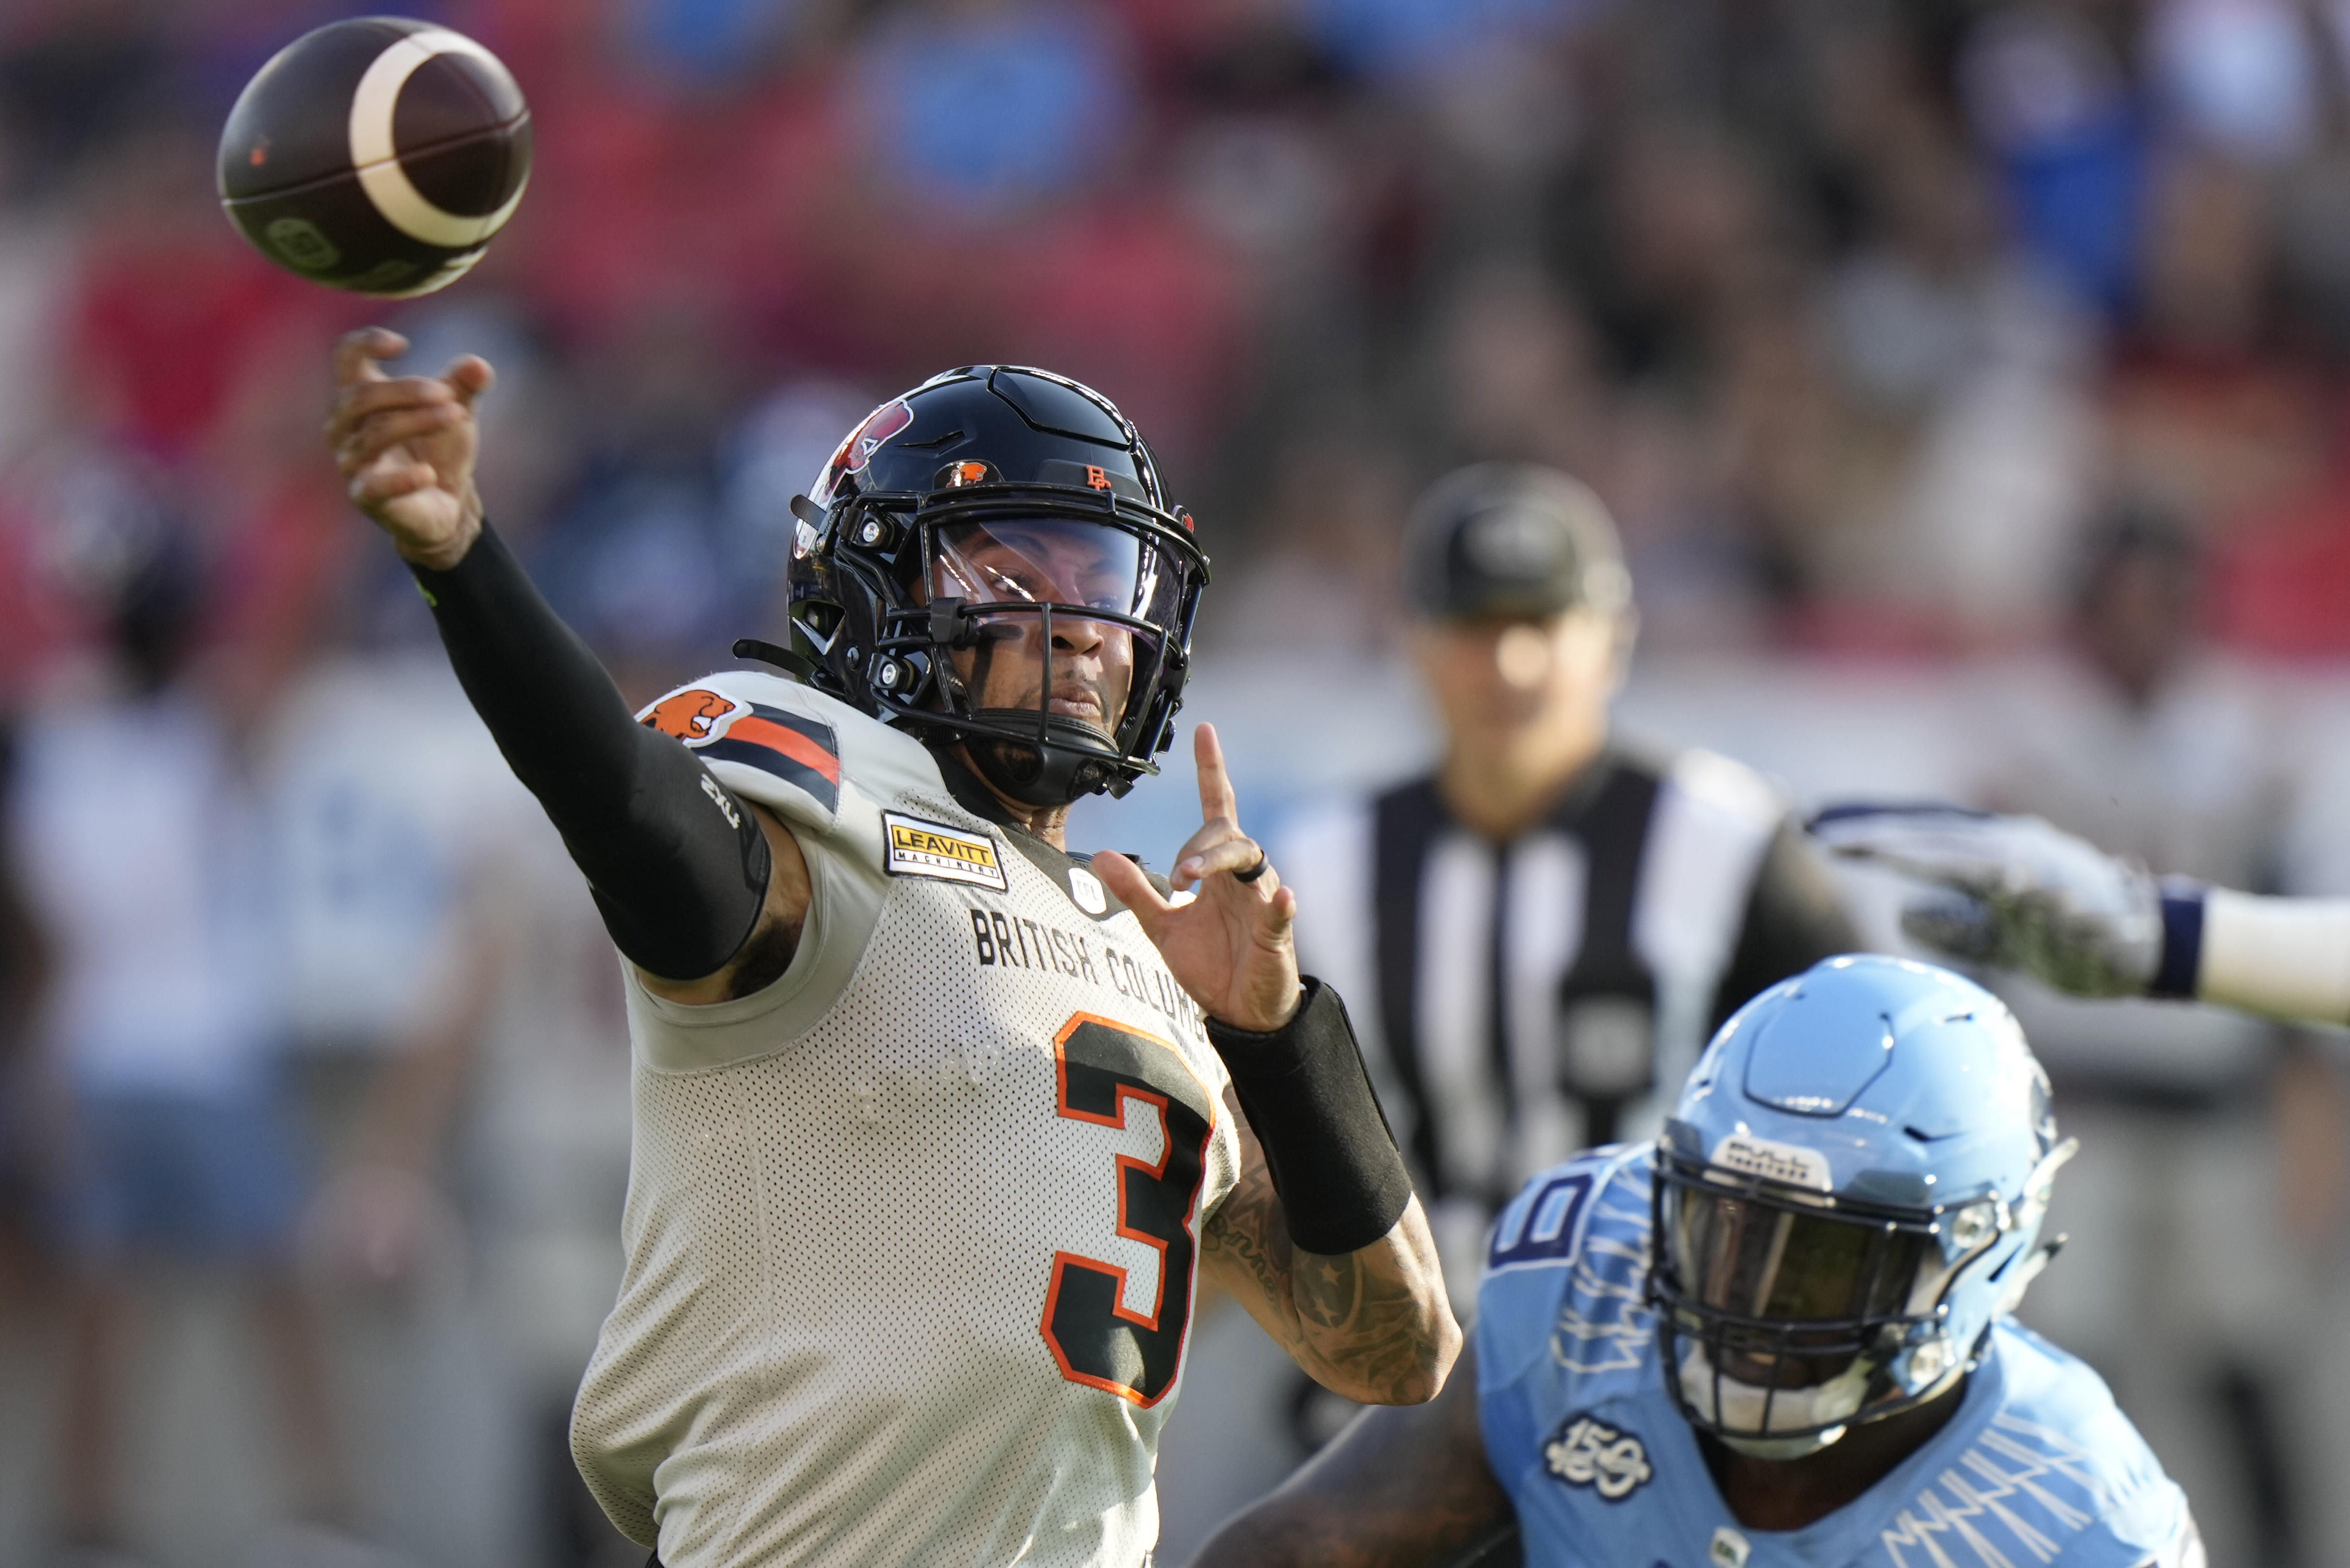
(378, 154)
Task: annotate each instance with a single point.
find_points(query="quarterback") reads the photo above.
(937, 1125)
(1776, 1337)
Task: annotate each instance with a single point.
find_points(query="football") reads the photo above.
(378, 154)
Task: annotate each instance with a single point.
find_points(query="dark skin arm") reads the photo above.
(767, 951)
(1398, 1489)
(1373, 1325)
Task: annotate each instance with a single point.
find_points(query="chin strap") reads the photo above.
(798, 668)
(1781, 1448)
(1032, 775)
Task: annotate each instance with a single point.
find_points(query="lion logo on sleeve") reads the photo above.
(691, 716)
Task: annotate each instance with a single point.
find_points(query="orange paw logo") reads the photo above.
(690, 716)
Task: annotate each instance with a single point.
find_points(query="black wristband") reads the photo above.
(2182, 939)
(678, 864)
(1341, 1179)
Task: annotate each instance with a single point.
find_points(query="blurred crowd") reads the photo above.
(1934, 337)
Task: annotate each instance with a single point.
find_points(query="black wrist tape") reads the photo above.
(1342, 1181)
(677, 862)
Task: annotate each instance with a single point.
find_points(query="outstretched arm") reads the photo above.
(1398, 1489)
(703, 892)
(2022, 894)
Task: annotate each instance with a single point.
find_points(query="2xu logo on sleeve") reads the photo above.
(1583, 1452)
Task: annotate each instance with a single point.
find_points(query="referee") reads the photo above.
(1547, 928)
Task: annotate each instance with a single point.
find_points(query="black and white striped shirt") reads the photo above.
(1518, 1003)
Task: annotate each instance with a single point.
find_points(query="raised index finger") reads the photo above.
(357, 354)
(1216, 798)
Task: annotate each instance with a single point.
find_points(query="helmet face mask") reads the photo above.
(1043, 621)
(1848, 1193)
(1045, 639)
(1787, 1316)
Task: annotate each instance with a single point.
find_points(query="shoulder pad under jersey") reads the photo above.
(1566, 1271)
(790, 747)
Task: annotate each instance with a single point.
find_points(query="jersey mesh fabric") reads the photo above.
(829, 1347)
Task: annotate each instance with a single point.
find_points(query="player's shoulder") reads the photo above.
(1601, 1194)
(1565, 1278)
(2090, 1490)
(2047, 1388)
(791, 747)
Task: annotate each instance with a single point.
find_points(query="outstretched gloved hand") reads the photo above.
(2019, 893)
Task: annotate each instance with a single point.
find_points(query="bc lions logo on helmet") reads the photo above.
(864, 441)
(690, 716)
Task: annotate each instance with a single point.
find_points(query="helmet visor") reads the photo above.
(1787, 1317)
(1027, 585)
(1767, 1263)
(1058, 561)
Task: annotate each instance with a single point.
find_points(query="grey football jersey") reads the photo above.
(911, 1234)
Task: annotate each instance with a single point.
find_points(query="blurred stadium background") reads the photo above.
(1967, 378)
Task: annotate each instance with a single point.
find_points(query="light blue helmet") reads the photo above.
(1849, 1190)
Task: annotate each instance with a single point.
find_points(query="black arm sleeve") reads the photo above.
(1334, 1162)
(678, 864)
(1795, 917)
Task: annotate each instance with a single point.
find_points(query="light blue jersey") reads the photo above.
(2038, 1467)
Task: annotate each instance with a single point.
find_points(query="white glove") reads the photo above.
(2027, 895)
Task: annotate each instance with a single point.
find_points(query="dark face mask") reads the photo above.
(1058, 622)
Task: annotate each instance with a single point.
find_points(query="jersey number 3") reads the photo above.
(1101, 1065)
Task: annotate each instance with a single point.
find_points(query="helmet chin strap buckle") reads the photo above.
(1783, 1448)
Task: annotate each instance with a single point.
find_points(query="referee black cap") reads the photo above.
(1505, 539)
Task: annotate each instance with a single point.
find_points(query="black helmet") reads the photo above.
(996, 504)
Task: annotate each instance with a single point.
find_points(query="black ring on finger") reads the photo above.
(1254, 872)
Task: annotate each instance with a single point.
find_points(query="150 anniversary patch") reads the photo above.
(1583, 1452)
(919, 848)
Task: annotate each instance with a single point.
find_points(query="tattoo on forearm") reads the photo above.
(1363, 1317)
(1324, 1288)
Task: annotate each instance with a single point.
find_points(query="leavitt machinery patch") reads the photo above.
(919, 848)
